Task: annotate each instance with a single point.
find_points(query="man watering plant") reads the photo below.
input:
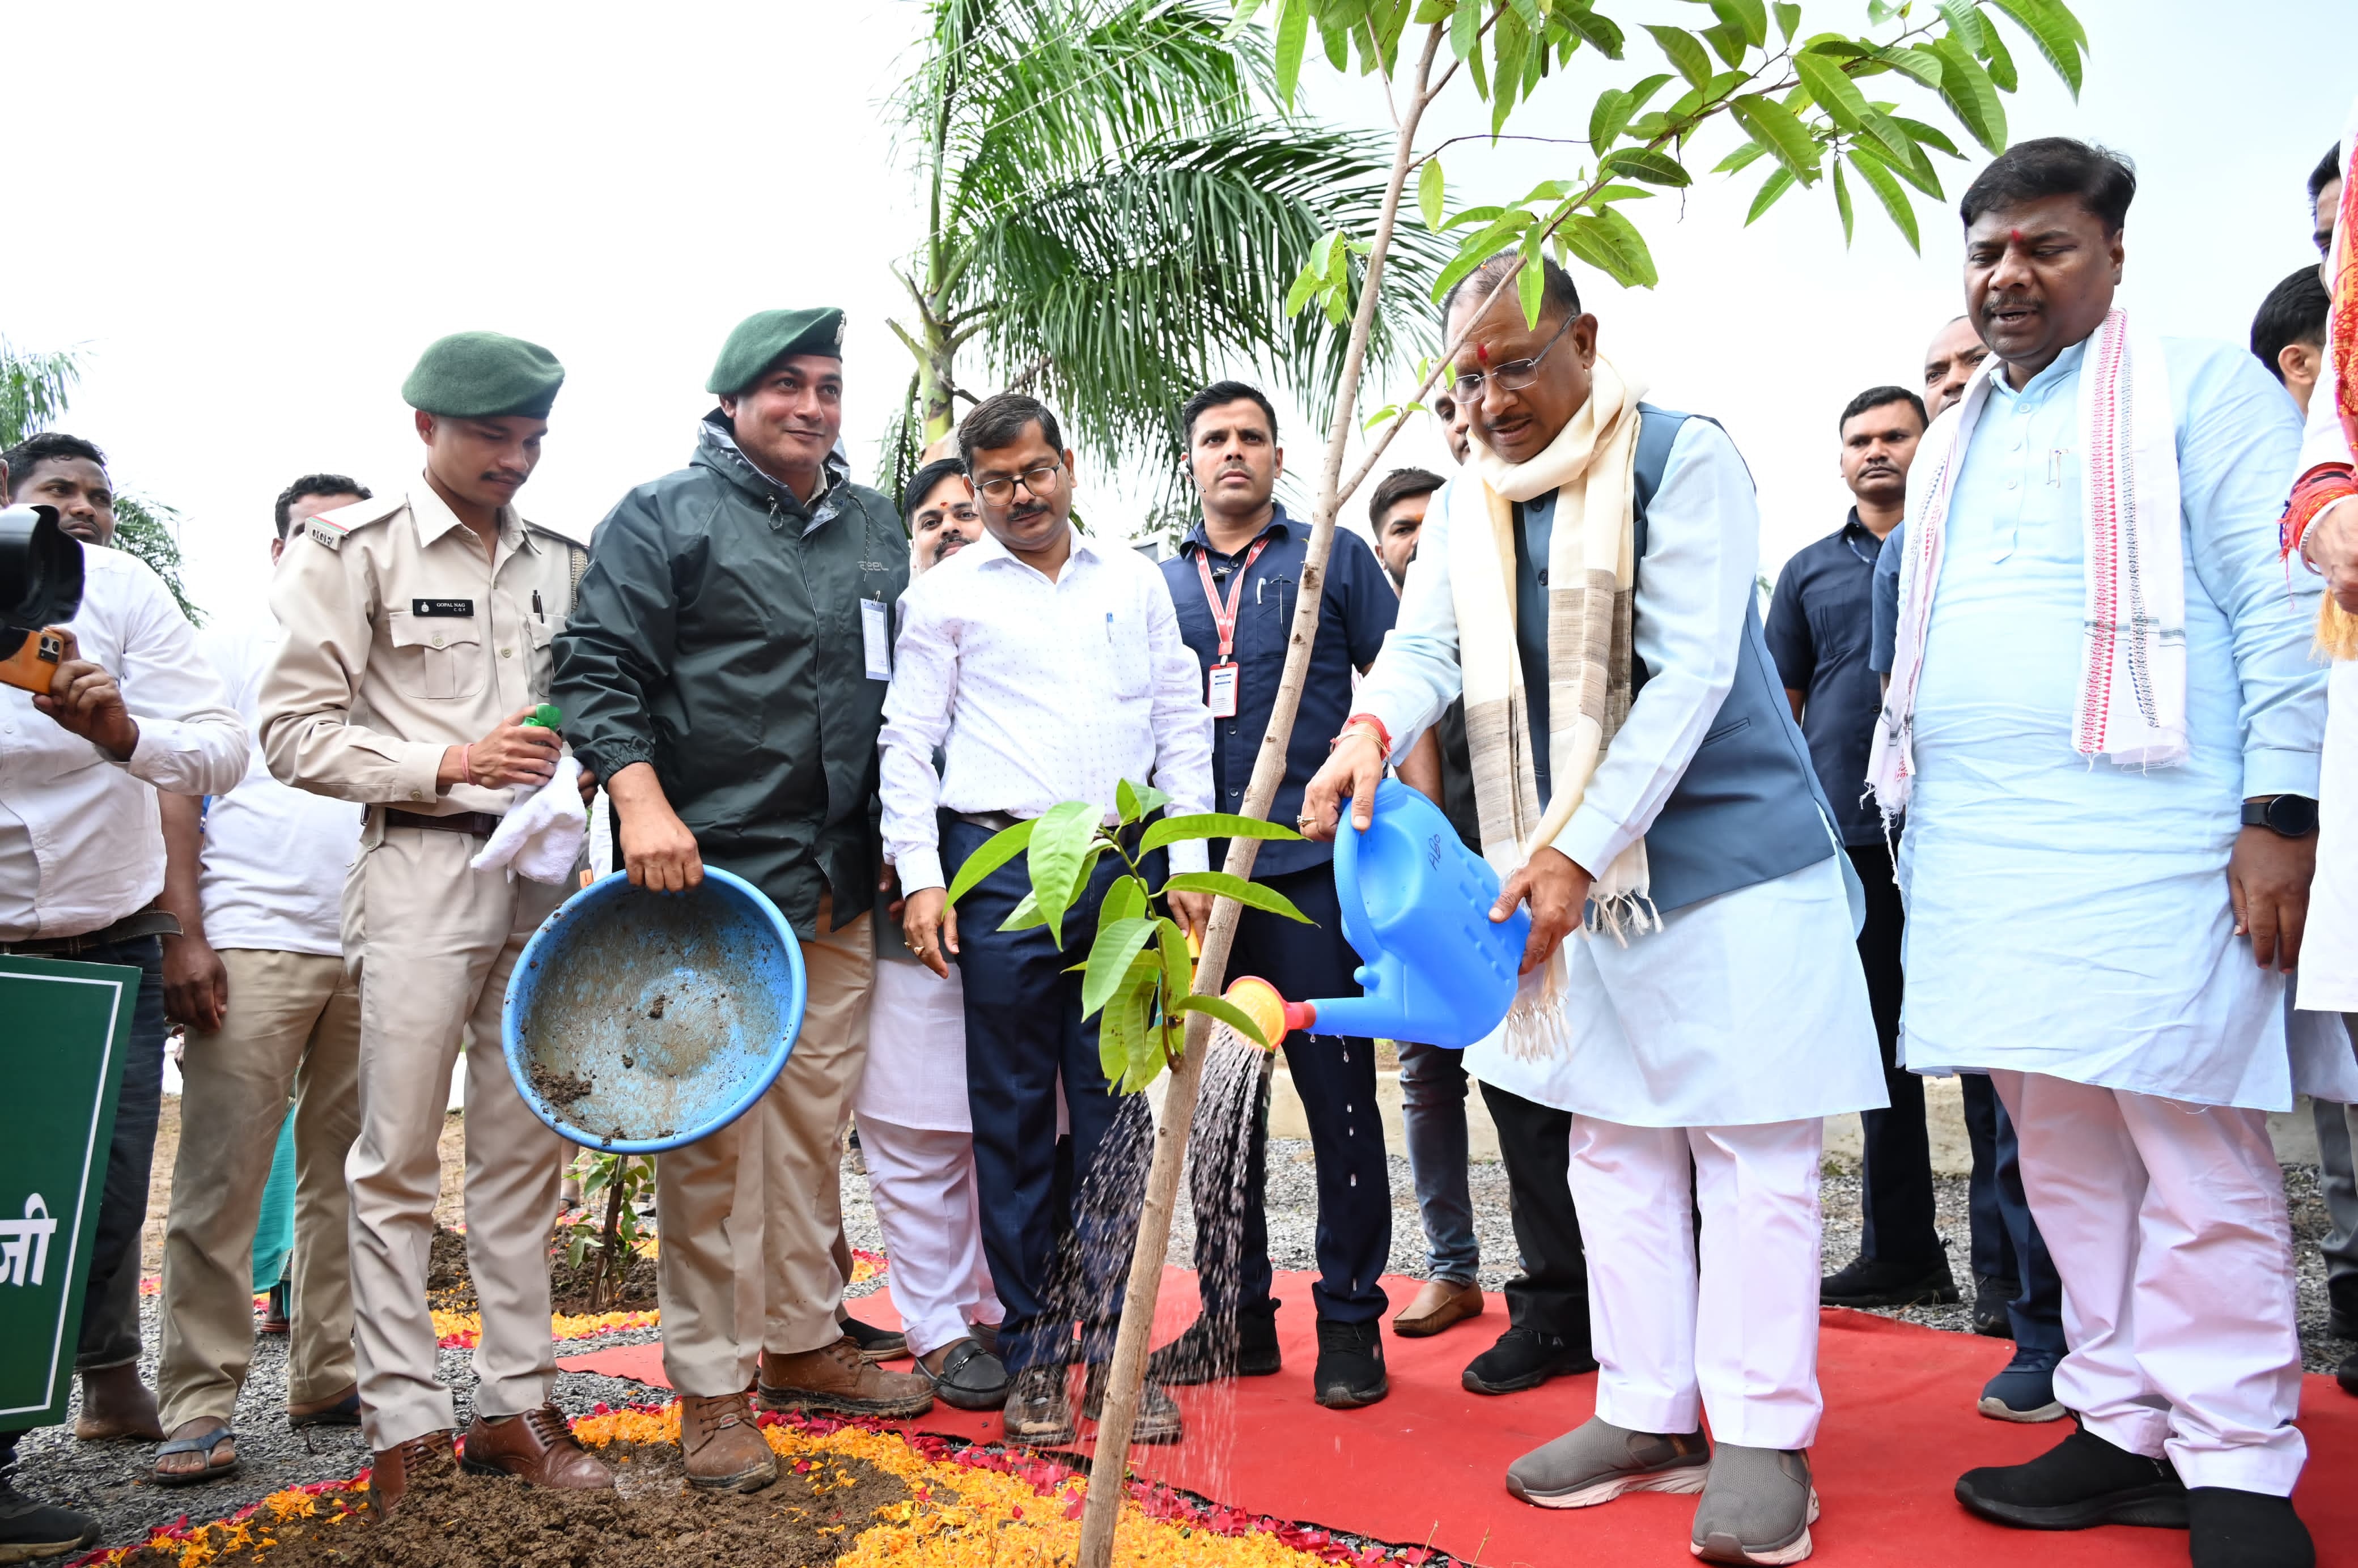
(1587, 585)
(725, 674)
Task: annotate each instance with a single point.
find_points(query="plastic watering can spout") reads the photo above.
(1416, 906)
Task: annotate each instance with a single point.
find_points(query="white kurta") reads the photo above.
(916, 1049)
(2069, 916)
(1747, 1008)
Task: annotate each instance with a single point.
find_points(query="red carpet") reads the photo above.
(1427, 1464)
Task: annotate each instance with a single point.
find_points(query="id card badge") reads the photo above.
(1221, 691)
(874, 639)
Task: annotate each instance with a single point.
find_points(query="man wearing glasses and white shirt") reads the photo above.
(1048, 667)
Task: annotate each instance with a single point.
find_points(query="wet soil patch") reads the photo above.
(450, 1519)
(449, 1287)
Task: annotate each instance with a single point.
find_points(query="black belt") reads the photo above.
(480, 824)
(990, 821)
(130, 928)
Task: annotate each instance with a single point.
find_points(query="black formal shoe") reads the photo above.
(2081, 1482)
(875, 1344)
(2347, 1374)
(1524, 1359)
(1871, 1282)
(1204, 1355)
(30, 1528)
(1991, 1296)
(2245, 1530)
(2341, 1307)
(1350, 1364)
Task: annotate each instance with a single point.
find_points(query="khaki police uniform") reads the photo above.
(402, 640)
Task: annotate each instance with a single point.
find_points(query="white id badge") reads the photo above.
(1221, 691)
(874, 638)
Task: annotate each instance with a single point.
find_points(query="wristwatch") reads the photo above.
(2292, 816)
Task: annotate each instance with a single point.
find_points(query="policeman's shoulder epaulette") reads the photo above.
(332, 527)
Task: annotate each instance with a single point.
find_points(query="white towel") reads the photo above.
(541, 836)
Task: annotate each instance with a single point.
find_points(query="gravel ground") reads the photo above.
(111, 1478)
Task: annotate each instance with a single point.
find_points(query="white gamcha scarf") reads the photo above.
(2132, 706)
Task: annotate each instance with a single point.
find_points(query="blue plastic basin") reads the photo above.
(637, 1022)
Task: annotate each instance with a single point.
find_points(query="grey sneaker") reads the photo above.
(1758, 1508)
(1598, 1462)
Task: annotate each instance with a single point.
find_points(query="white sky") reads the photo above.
(253, 218)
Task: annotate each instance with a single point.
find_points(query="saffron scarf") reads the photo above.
(2132, 704)
(1590, 467)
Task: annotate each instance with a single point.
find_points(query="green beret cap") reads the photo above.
(764, 337)
(484, 375)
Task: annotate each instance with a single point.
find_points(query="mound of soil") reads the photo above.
(454, 1521)
(449, 1287)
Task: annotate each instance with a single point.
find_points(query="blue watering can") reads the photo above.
(637, 1022)
(1416, 905)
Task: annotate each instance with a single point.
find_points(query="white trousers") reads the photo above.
(2167, 1223)
(1743, 1348)
(923, 1185)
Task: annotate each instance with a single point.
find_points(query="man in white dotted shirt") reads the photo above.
(1048, 667)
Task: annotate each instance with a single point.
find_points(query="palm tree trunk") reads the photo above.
(1128, 1375)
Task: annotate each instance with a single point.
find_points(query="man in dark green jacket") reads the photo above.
(723, 671)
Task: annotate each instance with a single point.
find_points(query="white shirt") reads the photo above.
(272, 878)
(1037, 692)
(81, 843)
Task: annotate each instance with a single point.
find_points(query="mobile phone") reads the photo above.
(35, 662)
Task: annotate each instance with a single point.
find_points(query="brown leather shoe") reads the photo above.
(1438, 1304)
(538, 1446)
(1039, 1408)
(397, 1466)
(724, 1451)
(837, 1377)
(115, 1403)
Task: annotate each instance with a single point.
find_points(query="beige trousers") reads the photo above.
(749, 1217)
(293, 1028)
(433, 943)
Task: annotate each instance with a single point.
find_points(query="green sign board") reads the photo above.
(69, 1025)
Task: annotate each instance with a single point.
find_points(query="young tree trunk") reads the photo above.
(610, 1242)
(1128, 1375)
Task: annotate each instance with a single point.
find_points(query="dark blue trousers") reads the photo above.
(1336, 1077)
(1024, 1027)
(1895, 1167)
(2006, 1243)
(109, 1311)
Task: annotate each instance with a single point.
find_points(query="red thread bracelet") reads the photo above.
(1383, 734)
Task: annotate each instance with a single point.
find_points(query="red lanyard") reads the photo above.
(1224, 618)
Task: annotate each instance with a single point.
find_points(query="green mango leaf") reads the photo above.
(1777, 128)
(1210, 824)
(1887, 190)
(1725, 42)
(1024, 915)
(1653, 166)
(1926, 135)
(1600, 32)
(1178, 964)
(1969, 94)
(1683, 51)
(1921, 64)
(1780, 181)
(1606, 193)
(1789, 18)
(1741, 158)
(1606, 118)
(1890, 140)
(1108, 962)
(1531, 282)
(1642, 90)
(1965, 22)
(1306, 283)
(995, 851)
(1636, 268)
(1126, 900)
(1917, 171)
(1533, 14)
(2000, 61)
(1252, 895)
(1465, 28)
(1293, 32)
(2054, 31)
(1337, 41)
(1063, 850)
(1429, 193)
(1833, 91)
(1471, 215)
(1228, 1013)
(1749, 17)
(1842, 203)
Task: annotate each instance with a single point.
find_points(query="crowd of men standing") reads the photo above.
(773, 669)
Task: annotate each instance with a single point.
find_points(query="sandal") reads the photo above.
(204, 1443)
(971, 1378)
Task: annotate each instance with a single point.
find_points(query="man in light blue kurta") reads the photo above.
(2109, 941)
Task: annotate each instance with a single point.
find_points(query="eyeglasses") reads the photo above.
(1515, 374)
(1036, 481)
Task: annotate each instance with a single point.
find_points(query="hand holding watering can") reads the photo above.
(1553, 884)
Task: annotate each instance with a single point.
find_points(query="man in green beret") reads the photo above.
(724, 672)
(418, 627)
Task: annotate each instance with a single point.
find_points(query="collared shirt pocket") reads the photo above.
(543, 633)
(439, 658)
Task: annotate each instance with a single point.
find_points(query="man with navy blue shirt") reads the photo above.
(1817, 629)
(1235, 582)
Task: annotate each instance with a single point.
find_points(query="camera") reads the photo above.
(40, 590)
